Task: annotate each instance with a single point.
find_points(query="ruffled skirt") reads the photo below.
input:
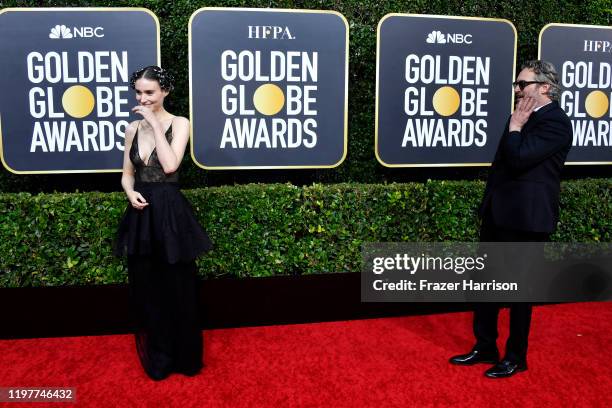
(167, 227)
(161, 243)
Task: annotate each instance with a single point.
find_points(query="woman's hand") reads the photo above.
(137, 200)
(147, 114)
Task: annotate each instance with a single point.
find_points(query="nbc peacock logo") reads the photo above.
(436, 37)
(60, 32)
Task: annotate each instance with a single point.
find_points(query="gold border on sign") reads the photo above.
(346, 67)
(54, 9)
(385, 17)
(540, 57)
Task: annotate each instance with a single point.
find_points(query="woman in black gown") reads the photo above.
(160, 234)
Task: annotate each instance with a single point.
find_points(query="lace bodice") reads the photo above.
(151, 171)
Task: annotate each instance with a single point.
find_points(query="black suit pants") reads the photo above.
(485, 313)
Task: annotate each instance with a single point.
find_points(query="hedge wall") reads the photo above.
(263, 230)
(363, 16)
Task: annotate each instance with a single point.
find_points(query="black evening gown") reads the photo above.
(162, 242)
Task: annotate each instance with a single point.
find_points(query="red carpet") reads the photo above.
(395, 362)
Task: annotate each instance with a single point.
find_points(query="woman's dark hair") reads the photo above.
(153, 72)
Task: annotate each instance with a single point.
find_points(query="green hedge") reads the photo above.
(363, 16)
(264, 230)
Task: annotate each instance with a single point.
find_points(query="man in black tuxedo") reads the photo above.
(521, 202)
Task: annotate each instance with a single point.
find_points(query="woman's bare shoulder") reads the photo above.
(130, 131)
(180, 121)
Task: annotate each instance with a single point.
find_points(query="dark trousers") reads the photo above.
(485, 314)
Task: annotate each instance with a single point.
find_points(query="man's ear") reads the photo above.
(544, 89)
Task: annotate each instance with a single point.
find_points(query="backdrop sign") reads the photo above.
(443, 90)
(65, 101)
(268, 88)
(584, 64)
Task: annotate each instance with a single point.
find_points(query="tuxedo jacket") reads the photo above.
(522, 191)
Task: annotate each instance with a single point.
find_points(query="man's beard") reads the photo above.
(517, 98)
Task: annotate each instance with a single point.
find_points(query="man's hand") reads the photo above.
(519, 117)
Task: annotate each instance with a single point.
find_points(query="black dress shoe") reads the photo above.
(505, 368)
(474, 357)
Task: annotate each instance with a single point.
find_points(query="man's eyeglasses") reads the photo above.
(524, 84)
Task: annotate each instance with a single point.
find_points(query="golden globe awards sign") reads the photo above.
(444, 89)
(64, 74)
(268, 88)
(584, 64)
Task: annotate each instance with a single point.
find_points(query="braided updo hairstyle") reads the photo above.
(153, 72)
